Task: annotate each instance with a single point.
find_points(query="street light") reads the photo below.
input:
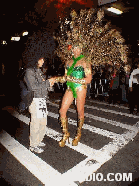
(115, 10)
(15, 38)
(4, 42)
(25, 33)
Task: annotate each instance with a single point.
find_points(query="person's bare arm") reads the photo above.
(88, 73)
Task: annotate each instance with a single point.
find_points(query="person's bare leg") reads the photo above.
(66, 102)
(80, 102)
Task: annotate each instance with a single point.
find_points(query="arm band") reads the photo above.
(87, 71)
(74, 80)
(60, 79)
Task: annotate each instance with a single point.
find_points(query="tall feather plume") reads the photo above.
(100, 43)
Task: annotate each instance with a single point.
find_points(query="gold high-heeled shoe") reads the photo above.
(78, 136)
(64, 124)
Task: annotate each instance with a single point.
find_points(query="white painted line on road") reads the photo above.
(70, 176)
(112, 122)
(99, 155)
(117, 138)
(112, 111)
(83, 168)
(81, 171)
(21, 117)
(101, 103)
(95, 158)
(82, 148)
(106, 110)
(113, 147)
(93, 129)
(39, 168)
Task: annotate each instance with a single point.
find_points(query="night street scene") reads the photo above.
(69, 95)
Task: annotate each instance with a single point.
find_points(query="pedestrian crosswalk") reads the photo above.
(94, 158)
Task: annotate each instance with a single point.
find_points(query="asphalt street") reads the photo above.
(107, 154)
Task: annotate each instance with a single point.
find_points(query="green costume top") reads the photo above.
(76, 72)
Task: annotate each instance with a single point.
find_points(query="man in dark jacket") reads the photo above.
(39, 86)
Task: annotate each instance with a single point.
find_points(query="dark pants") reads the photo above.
(114, 95)
(88, 90)
(134, 98)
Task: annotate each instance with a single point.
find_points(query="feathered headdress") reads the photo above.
(100, 44)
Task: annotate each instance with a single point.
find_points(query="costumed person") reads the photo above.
(78, 75)
(90, 42)
(39, 86)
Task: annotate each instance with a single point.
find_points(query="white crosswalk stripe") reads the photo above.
(111, 111)
(106, 110)
(103, 103)
(33, 163)
(91, 116)
(81, 171)
(95, 158)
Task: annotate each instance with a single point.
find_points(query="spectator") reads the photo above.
(88, 91)
(122, 82)
(127, 69)
(134, 90)
(114, 87)
(92, 90)
(39, 86)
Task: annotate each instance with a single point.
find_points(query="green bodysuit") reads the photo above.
(78, 73)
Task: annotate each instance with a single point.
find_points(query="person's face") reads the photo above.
(127, 68)
(76, 51)
(40, 62)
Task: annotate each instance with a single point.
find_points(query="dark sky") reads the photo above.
(16, 16)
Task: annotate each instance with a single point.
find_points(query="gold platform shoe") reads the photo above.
(78, 136)
(64, 124)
